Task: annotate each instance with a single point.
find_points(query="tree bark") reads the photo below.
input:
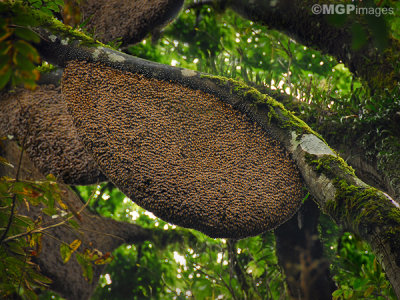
(94, 231)
(127, 21)
(339, 193)
(353, 204)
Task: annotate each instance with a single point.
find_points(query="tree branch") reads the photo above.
(377, 65)
(349, 201)
(331, 181)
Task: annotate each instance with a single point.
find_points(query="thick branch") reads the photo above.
(128, 21)
(338, 191)
(349, 201)
(378, 67)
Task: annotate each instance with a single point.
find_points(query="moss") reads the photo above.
(66, 31)
(363, 210)
(46, 68)
(276, 112)
(326, 163)
(39, 19)
(381, 73)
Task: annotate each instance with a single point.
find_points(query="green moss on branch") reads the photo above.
(328, 164)
(276, 111)
(36, 18)
(365, 210)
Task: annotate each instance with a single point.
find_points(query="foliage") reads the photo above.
(218, 42)
(204, 268)
(355, 268)
(18, 55)
(21, 236)
(46, 6)
(201, 268)
(358, 273)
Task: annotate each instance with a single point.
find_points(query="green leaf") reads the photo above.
(73, 223)
(26, 49)
(5, 78)
(347, 293)
(37, 4)
(87, 267)
(5, 48)
(53, 7)
(27, 34)
(369, 291)
(25, 20)
(46, 11)
(16, 247)
(50, 211)
(66, 253)
(23, 63)
(41, 279)
(23, 221)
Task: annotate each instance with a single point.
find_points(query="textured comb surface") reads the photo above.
(39, 120)
(182, 154)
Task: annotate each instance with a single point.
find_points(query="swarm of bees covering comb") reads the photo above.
(39, 121)
(128, 21)
(183, 154)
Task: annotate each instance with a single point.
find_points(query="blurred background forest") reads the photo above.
(318, 89)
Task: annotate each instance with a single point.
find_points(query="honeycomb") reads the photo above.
(39, 120)
(128, 21)
(183, 154)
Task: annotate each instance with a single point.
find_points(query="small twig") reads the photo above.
(103, 233)
(14, 198)
(3, 236)
(23, 272)
(41, 230)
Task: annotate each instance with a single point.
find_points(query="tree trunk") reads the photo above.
(353, 204)
(300, 253)
(339, 193)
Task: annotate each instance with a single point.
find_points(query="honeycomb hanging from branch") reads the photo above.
(128, 21)
(180, 153)
(39, 121)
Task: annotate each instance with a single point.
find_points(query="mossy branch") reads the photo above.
(376, 60)
(349, 201)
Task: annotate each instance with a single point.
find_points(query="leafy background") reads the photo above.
(320, 90)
